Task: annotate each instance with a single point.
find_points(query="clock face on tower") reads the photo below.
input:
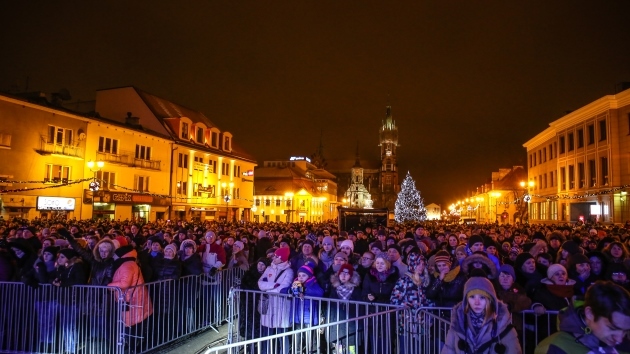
(388, 153)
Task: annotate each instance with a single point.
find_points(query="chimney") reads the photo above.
(132, 121)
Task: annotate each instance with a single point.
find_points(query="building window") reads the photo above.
(143, 152)
(5, 140)
(570, 141)
(214, 139)
(544, 155)
(200, 135)
(562, 144)
(544, 181)
(267, 202)
(592, 173)
(288, 203)
(108, 145)
(257, 202)
(591, 134)
(225, 169)
(182, 188)
(551, 179)
(57, 174)
(184, 130)
(531, 160)
(142, 183)
(182, 160)
(550, 151)
(555, 149)
(535, 163)
(59, 136)
(571, 177)
(277, 202)
(604, 162)
(602, 130)
(580, 142)
(237, 193)
(107, 179)
(563, 178)
(214, 166)
(226, 144)
(581, 175)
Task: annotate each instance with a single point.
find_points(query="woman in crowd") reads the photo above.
(481, 323)
(410, 292)
(345, 287)
(447, 285)
(323, 278)
(379, 282)
(556, 290)
(238, 259)
(599, 326)
(598, 264)
(249, 323)
(276, 309)
(616, 252)
(528, 275)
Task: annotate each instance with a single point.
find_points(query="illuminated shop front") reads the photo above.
(125, 205)
(55, 207)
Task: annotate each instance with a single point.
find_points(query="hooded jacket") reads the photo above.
(496, 330)
(278, 314)
(448, 291)
(102, 270)
(571, 338)
(128, 278)
(487, 265)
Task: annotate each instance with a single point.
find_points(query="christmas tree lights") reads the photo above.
(409, 204)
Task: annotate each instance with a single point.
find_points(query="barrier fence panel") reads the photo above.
(266, 322)
(51, 319)
(425, 331)
(533, 328)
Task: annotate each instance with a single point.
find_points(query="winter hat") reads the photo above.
(69, 253)
(377, 244)
(461, 248)
(328, 240)
(239, 244)
(188, 243)
(556, 235)
(554, 268)
(506, 243)
(307, 242)
(311, 237)
(306, 270)
(413, 260)
(52, 250)
(172, 247)
(516, 250)
(381, 233)
(571, 247)
(123, 250)
(443, 256)
(346, 268)
(263, 260)
(521, 259)
(122, 241)
(395, 247)
(341, 255)
(508, 269)
(481, 286)
(474, 239)
(616, 268)
(347, 243)
(578, 259)
(283, 253)
(490, 243)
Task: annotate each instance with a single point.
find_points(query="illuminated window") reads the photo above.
(184, 130)
(57, 174)
(59, 136)
(143, 152)
(108, 145)
(200, 135)
(142, 183)
(107, 179)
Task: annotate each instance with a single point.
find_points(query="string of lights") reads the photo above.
(27, 189)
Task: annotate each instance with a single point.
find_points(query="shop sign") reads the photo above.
(123, 198)
(299, 158)
(249, 173)
(55, 203)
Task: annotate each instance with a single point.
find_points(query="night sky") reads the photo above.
(469, 82)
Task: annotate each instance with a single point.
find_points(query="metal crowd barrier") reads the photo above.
(426, 332)
(50, 319)
(97, 319)
(311, 325)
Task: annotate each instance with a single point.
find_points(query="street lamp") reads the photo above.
(226, 197)
(526, 198)
(95, 185)
(496, 196)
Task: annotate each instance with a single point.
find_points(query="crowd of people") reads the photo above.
(484, 273)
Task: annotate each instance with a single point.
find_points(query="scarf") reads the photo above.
(476, 320)
(564, 291)
(327, 258)
(381, 276)
(344, 290)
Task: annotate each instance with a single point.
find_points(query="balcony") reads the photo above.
(47, 147)
(128, 158)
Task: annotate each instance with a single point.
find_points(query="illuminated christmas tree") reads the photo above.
(409, 204)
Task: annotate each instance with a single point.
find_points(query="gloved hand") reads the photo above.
(213, 271)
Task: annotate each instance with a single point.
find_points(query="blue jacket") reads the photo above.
(306, 311)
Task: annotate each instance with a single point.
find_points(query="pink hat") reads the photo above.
(283, 253)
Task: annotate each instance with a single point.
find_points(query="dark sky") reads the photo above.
(469, 82)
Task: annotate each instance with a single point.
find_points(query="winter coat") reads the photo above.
(306, 311)
(191, 265)
(249, 326)
(572, 338)
(342, 310)
(278, 314)
(382, 291)
(549, 300)
(212, 260)
(166, 269)
(496, 330)
(72, 274)
(239, 260)
(128, 277)
(102, 270)
(516, 301)
(450, 290)
(406, 293)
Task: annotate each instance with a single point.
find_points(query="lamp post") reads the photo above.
(496, 196)
(95, 185)
(526, 198)
(226, 197)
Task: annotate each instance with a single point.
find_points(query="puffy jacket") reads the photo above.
(278, 314)
(306, 311)
(382, 291)
(449, 291)
(128, 278)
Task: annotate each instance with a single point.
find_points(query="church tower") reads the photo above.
(388, 138)
(357, 195)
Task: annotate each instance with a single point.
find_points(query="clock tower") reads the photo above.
(388, 179)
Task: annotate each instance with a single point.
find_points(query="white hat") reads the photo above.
(239, 244)
(347, 243)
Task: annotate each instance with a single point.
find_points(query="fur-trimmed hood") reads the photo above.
(487, 263)
(97, 254)
(355, 280)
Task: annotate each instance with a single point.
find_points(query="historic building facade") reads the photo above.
(579, 167)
